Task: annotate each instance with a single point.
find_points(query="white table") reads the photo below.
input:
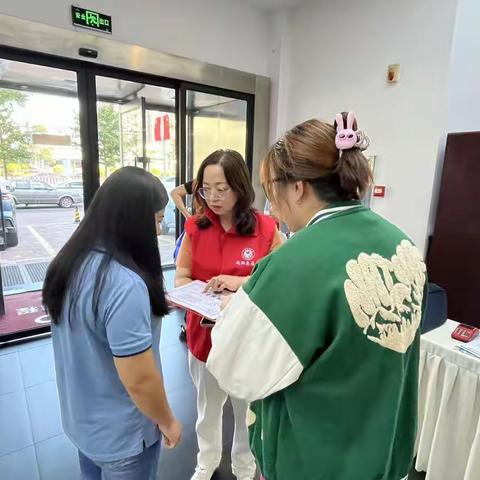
(448, 440)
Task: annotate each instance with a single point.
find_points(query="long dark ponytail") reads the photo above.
(120, 223)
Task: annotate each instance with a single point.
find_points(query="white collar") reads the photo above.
(327, 212)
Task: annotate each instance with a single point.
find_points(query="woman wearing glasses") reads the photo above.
(221, 247)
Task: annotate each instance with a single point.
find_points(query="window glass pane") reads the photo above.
(214, 122)
(39, 133)
(136, 126)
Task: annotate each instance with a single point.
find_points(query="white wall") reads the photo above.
(338, 54)
(230, 33)
(463, 113)
(279, 72)
(463, 95)
(325, 56)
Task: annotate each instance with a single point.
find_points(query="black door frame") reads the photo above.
(87, 97)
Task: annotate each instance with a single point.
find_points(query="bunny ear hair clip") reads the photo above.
(347, 137)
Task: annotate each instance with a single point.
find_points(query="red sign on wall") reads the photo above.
(379, 191)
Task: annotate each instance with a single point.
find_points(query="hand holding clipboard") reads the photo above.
(197, 298)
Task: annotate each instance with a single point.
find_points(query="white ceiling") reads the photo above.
(274, 4)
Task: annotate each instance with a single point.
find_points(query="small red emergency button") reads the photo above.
(379, 191)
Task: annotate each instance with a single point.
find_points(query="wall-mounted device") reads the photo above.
(88, 52)
(393, 73)
(379, 191)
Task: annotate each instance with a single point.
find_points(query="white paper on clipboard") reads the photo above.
(193, 297)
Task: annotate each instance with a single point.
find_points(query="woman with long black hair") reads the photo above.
(104, 292)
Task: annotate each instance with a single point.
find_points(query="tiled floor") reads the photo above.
(32, 443)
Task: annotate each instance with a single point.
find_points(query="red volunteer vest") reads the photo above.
(217, 252)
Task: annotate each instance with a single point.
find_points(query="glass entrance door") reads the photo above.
(136, 126)
(132, 126)
(65, 126)
(214, 122)
(40, 181)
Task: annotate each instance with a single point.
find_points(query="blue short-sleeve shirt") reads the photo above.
(98, 415)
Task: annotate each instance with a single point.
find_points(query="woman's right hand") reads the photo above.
(172, 434)
(221, 283)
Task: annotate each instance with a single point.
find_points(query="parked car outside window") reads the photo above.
(26, 192)
(10, 237)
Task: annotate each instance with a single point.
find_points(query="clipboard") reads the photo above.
(193, 297)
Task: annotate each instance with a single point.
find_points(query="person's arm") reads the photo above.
(183, 273)
(250, 357)
(144, 383)
(178, 195)
(127, 317)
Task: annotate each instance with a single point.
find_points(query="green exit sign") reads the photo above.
(83, 17)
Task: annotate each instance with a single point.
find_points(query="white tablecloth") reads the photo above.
(448, 440)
